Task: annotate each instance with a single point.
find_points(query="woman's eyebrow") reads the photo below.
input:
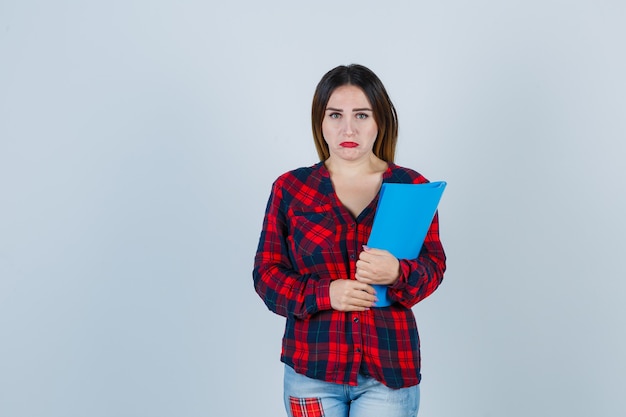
(354, 110)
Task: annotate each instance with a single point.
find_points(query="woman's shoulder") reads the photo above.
(302, 184)
(405, 175)
(302, 174)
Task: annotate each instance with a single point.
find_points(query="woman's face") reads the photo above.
(349, 127)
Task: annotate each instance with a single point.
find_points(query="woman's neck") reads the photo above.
(365, 166)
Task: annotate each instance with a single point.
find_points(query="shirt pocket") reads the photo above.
(313, 229)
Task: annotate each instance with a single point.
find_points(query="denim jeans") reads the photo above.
(309, 397)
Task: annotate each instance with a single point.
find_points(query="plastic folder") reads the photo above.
(403, 217)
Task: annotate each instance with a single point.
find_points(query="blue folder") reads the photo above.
(403, 217)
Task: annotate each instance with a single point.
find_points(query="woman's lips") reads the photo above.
(349, 144)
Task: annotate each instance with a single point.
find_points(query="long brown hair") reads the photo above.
(384, 112)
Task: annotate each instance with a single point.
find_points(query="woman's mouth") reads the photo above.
(348, 144)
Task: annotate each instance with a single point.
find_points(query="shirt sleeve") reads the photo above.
(284, 290)
(420, 277)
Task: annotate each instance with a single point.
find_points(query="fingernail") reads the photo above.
(365, 247)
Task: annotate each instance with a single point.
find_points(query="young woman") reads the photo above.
(343, 356)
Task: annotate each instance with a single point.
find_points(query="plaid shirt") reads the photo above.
(310, 239)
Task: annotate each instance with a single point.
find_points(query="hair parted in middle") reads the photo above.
(384, 112)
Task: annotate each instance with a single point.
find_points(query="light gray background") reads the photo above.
(138, 143)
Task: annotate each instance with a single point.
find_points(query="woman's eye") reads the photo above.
(361, 116)
(334, 115)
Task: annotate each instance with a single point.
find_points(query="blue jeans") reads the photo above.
(309, 397)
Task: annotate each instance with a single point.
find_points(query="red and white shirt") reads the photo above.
(310, 239)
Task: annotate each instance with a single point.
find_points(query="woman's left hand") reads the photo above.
(377, 266)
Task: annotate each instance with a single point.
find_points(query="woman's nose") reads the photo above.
(348, 128)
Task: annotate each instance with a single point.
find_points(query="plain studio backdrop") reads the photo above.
(138, 143)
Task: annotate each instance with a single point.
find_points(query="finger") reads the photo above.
(356, 308)
(357, 302)
(364, 287)
(363, 277)
(352, 288)
(360, 290)
(360, 304)
(374, 255)
(364, 296)
(365, 257)
(369, 270)
(361, 265)
(374, 251)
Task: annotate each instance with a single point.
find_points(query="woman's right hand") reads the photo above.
(350, 295)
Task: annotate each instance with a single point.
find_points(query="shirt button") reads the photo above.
(352, 225)
(358, 350)
(356, 319)
(352, 256)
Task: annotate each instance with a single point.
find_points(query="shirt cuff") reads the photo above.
(405, 270)
(322, 294)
